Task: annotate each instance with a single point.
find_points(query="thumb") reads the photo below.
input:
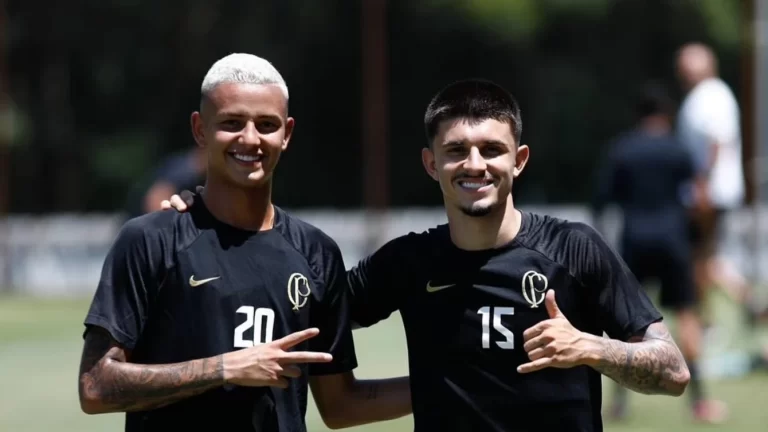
(549, 301)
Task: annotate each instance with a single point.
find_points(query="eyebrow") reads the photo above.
(241, 114)
(461, 143)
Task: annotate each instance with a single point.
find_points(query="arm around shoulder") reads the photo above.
(344, 401)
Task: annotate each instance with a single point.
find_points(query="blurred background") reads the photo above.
(95, 99)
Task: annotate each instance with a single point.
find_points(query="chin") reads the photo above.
(252, 180)
(477, 209)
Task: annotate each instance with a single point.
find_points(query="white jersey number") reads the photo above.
(497, 312)
(262, 320)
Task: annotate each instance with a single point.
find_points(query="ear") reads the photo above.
(428, 159)
(289, 124)
(521, 159)
(198, 131)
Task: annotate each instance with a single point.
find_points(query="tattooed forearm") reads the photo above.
(652, 364)
(108, 383)
(373, 390)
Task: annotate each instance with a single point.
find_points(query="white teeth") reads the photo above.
(246, 158)
(473, 185)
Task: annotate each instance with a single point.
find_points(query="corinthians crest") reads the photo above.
(298, 290)
(534, 288)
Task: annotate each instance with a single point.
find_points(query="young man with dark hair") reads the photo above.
(645, 172)
(489, 347)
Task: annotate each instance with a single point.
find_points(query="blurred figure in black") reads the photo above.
(646, 171)
(178, 172)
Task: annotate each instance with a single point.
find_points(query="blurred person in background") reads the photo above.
(220, 318)
(645, 173)
(709, 125)
(489, 346)
(179, 171)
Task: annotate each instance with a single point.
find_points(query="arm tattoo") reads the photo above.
(106, 376)
(651, 364)
(373, 390)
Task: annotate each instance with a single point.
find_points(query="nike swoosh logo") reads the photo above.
(195, 283)
(431, 288)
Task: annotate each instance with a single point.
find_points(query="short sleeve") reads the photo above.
(331, 316)
(624, 308)
(376, 282)
(129, 278)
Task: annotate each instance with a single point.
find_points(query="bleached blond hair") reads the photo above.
(242, 68)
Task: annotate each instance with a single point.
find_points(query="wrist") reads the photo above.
(228, 372)
(589, 355)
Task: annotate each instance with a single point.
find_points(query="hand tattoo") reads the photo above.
(107, 377)
(650, 364)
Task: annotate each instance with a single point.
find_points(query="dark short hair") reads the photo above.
(654, 100)
(474, 100)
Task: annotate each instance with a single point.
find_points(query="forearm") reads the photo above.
(367, 401)
(650, 366)
(379, 400)
(117, 386)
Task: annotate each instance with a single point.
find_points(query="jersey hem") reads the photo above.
(641, 324)
(345, 366)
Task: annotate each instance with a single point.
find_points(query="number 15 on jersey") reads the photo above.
(486, 312)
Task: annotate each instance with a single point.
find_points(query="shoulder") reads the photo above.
(549, 231)
(158, 231)
(717, 88)
(576, 246)
(303, 235)
(150, 226)
(711, 95)
(320, 251)
(418, 244)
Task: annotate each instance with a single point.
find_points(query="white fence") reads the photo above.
(63, 254)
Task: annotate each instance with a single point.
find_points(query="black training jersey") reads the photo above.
(184, 286)
(465, 313)
(646, 175)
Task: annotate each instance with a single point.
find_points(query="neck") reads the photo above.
(485, 232)
(245, 208)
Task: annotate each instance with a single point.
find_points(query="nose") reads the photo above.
(475, 161)
(250, 135)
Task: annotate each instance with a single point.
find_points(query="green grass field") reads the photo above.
(40, 344)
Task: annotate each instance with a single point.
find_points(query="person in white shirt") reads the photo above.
(709, 125)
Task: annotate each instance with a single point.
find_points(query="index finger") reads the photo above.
(296, 338)
(178, 203)
(305, 357)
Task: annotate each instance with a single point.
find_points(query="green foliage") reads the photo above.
(123, 156)
(110, 85)
(723, 18)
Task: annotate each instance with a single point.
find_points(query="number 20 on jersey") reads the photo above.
(261, 320)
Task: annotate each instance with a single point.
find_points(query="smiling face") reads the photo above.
(475, 163)
(245, 128)
(473, 131)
